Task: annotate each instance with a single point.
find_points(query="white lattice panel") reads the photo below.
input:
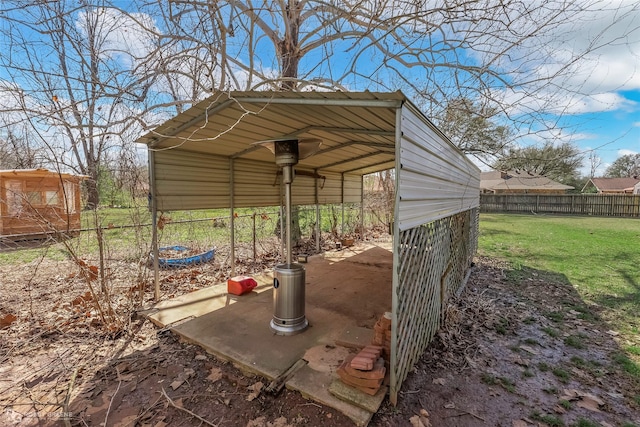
(431, 266)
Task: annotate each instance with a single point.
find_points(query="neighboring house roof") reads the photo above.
(614, 185)
(518, 181)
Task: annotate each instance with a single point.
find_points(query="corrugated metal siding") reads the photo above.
(186, 180)
(435, 180)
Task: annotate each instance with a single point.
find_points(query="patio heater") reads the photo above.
(289, 278)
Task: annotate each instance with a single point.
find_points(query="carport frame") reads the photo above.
(437, 187)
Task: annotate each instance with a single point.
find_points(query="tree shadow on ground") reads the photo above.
(520, 347)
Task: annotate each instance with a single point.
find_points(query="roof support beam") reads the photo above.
(347, 144)
(326, 150)
(353, 159)
(351, 130)
(368, 103)
(373, 165)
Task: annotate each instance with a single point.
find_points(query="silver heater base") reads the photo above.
(288, 299)
(288, 329)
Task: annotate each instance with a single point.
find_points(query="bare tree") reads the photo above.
(18, 152)
(594, 163)
(506, 57)
(84, 72)
(71, 82)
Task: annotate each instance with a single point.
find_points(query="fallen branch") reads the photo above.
(110, 403)
(466, 413)
(65, 406)
(172, 403)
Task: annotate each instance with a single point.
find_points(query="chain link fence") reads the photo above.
(108, 262)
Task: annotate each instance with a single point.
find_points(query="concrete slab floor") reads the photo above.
(346, 292)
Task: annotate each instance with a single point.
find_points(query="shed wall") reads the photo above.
(37, 203)
(434, 179)
(437, 201)
(188, 180)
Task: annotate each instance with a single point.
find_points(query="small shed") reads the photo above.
(38, 202)
(206, 158)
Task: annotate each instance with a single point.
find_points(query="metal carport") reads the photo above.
(204, 158)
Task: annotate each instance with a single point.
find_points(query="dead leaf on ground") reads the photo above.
(418, 421)
(184, 376)
(160, 423)
(257, 387)
(215, 374)
(590, 402)
(440, 381)
(559, 409)
(570, 394)
(175, 384)
(7, 320)
(520, 361)
(528, 349)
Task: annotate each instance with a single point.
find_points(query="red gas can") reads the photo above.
(241, 285)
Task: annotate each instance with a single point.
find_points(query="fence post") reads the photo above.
(318, 228)
(317, 201)
(254, 237)
(232, 224)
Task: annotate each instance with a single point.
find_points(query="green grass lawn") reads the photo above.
(600, 257)
(125, 240)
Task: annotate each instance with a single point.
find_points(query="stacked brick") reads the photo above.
(365, 371)
(382, 335)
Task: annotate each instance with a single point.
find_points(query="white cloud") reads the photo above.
(556, 135)
(127, 37)
(561, 102)
(626, 152)
(577, 66)
(604, 44)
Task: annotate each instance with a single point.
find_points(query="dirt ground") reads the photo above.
(514, 350)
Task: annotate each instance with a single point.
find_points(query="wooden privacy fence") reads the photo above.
(620, 205)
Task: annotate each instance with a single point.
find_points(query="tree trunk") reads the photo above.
(289, 49)
(93, 190)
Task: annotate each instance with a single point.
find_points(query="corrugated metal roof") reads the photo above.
(357, 129)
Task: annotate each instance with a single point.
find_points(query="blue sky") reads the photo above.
(596, 103)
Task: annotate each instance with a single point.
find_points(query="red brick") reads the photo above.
(358, 382)
(378, 338)
(367, 390)
(362, 363)
(385, 323)
(378, 372)
(370, 354)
